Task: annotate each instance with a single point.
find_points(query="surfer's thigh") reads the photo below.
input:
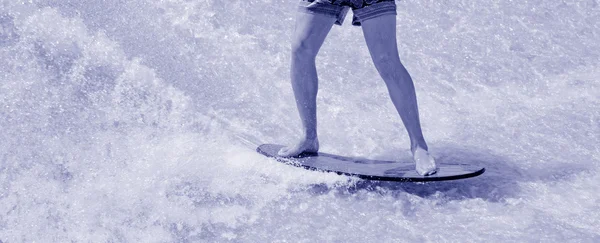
(313, 23)
(380, 35)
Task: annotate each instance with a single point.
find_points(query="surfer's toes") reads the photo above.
(427, 172)
(305, 146)
(290, 151)
(283, 152)
(425, 163)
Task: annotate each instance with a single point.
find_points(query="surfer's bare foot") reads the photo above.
(306, 145)
(425, 163)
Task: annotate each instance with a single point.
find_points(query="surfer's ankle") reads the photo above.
(416, 143)
(310, 136)
(413, 148)
(312, 144)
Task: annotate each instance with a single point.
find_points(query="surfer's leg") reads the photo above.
(309, 34)
(380, 35)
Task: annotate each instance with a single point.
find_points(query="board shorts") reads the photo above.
(362, 9)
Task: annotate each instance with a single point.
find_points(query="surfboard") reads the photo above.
(368, 169)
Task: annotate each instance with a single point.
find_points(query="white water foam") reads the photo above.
(136, 121)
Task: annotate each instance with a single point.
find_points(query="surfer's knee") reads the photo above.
(386, 62)
(304, 49)
(390, 68)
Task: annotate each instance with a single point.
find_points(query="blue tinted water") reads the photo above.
(136, 121)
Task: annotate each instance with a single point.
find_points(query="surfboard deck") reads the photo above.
(368, 169)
